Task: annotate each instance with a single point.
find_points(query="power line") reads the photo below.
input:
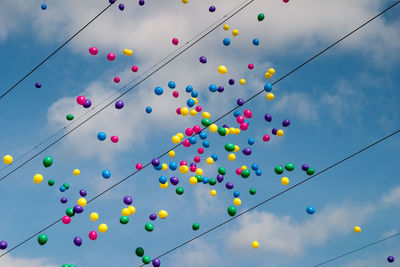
(54, 52)
(261, 203)
(358, 249)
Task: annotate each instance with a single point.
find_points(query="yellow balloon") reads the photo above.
(183, 169)
(226, 27)
(125, 212)
(243, 167)
(255, 244)
(213, 192)
(193, 112)
(184, 111)
(271, 71)
(237, 131)
(185, 1)
(162, 214)
(127, 52)
(232, 130)
(222, 69)
(213, 128)
(193, 180)
(175, 139)
(206, 115)
(357, 229)
(76, 172)
(242, 81)
(7, 159)
(199, 171)
(270, 96)
(132, 210)
(227, 131)
(279, 133)
(237, 201)
(235, 32)
(285, 181)
(237, 148)
(103, 228)
(94, 216)
(195, 100)
(180, 135)
(231, 157)
(38, 178)
(209, 160)
(171, 153)
(164, 166)
(82, 202)
(163, 186)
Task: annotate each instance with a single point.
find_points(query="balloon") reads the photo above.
(38, 85)
(141, 2)
(286, 123)
(114, 139)
(135, 68)
(156, 262)
(70, 212)
(252, 191)
(245, 173)
(247, 113)
(222, 69)
(43, 6)
(235, 32)
(158, 90)
(175, 94)
(50, 182)
(256, 42)
(103, 228)
(119, 104)
(87, 103)
(93, 51)
(63, 200)
(261, 17)
(132, 210)
(78, 209)
(76, 172)
(139, 251)
(175, 41)
(111, 56)
(237, 201)
(117, 79)
(162, 214)
(149, 227)
(212, 9)
(304, 167)
(101, 136)
(267, 87)
(279, 169)
(226, 27)
(213, 193)
(232, 210)
(81, 100)
(266, 138)
(7, 159)
(93, 235)
(357, 229)
(42, 239)
(47, 161)
(128, 200)
(78, 241)
(270, 96)
(285, 181)
(389, 259)
(226, 41)
(250, 66)
(106, 174)
(289, 167)
(70, 117)
(310, 210)
(203, 60)
(3, 245)
(231, 81)
(179, 190)
(310, 171)
(149, 109)
(255, 244)
(94, 216)
(196, 226)
(82, 202)
(127, 52)
(66, 219)
(231, 157)
(124, 219)
(146, 259)
(279, 133)
(242, 81)
(38, 178)
(83, 193)
(229, 185)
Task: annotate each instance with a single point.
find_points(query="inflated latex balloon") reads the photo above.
(175, 41)
(93, 51)
(42, 239)
(81, 100)
(103, 228)
(357, 229)
(111, 56)
(94, 216)
(222, 69)
(255, 244)
(7, 159)
(47, 161)
(38, 178)
(93, 235)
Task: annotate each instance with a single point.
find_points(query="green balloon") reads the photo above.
(245, 173)
(199, 178)
(222, 170)
(72, 265)
(229, 147)
(221, 131)
(196, 226)
(212, 181)
(65, 265)
(70, 117)
(205, 122)
(310, 171)
(289, 167)
(42, 239)
(232, 210)
(252, 191)
(47, 161)
(279, 169)
(261, 17)
(51, 182)
(66, 185)
(139, 251)
(70, 212)
(124, 219)
(179, 190)
(146, 259)
(149, 227)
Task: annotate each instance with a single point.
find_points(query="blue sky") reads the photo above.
(337, 104)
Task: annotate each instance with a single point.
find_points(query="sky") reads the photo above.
(337, 104)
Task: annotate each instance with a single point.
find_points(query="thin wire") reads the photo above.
(55, 51)
(104, 100)
(358, 249)
(132, 174)
(127, 91)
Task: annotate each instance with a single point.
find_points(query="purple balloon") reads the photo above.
(225, 126)
(119, 104)
(221, 89)
(231, 81)
(286, 123)
(38, 85)
(78, 241)
(174, 180)
(212, 9)
(304, 167)
(128, 200)
(155, 162)
(220, 178)
(141, 2)
(390, 259)
(246, 151)
(193, 164)
(121, 7)
(152, 217)
(78, 209)
(87, 104)
(3, 245)
(63, 200)
(112, 1)
(229, 185)
(203, 59)
(274, 131)
(156, 262)
(240, 101)
(83, 193)
(268, 117)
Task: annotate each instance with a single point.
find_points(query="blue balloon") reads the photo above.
(171, 84)
(205, 180)
(189, 88)
(215, 157)
(310, 210)
(162, 179)
(192, 140)
(226, 41)
(203, 135)
(106, 174)
(254, 167)
(267, 87)
(158, 90)
(44, 6)
(246, 121)
(213, 88)
(149, 109)
(173, 166)
(236, 113)
(101, 136)
(62, 188)
(256, 41)
(258, 172)
(206, 143)
(158, 167)
(194, 94)
(236, 194)
(190, 102)
(250, 141)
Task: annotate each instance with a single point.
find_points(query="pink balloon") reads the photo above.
(93, 235)
(93, 51)
(238, 171)
(199, 108)
(183, 163)
(244, 126)
(186, 143)
(196, 129)
(197, 159)
(193, 168)
(111, 56)
(266, 138)
(66, 220)
(240, 119)
(117, 79)
(189, 132)
(114, 139)
(175, 94)
(200, 150)
(250, 66)
(135, 68)
(247, 113)
(175, 41)
(139, 166)
(286, 1)
(81, 100)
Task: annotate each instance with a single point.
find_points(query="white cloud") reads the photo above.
(392, 197)
(206, 204)
(296, 104)
(11, 261)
